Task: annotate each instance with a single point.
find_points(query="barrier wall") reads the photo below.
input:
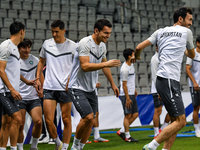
(111, 114)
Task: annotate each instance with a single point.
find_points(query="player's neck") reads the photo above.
(128, 62)
(95, 39)
(15, 39)
(198, 49)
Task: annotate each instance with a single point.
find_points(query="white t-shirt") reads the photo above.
(154, 68)
(195, 68)
(28, 68)
(127, 73)
(59, 58)
(172, 43)
(79, 79)
(9, 52)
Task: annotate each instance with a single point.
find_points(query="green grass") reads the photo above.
(116, 143)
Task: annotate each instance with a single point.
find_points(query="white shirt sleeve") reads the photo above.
(189, 61)
(190, 44)
(42, 52)
(154, 68)
(104, 55)
(83, 49)
(4, 53)
(153, 37)
(124, 75)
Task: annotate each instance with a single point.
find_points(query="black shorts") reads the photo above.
(9, 105)
(134, 107)
(170, 93)
(59, 96)
(157, 101)
(85, 102)
(28, 105)
(195, 97)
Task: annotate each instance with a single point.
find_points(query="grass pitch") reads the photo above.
(116, 143)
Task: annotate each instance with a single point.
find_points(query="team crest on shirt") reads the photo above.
(31, 62)
(101, 49)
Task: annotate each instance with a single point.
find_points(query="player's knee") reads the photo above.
(89, 118)
(135, 115)
(17, 120)
(38, 123)
(66, 121)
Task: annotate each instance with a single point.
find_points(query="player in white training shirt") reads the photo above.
(158, 103)
(58, 53)
(9, 85)
(91, 56)
(172, 42)
(193, 72)
(127, 95)
(30, 100)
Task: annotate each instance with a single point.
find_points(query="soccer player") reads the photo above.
(172, 42)
(158, 103)
(58, 53)
(193, 72)
(127, 95)
(9, 85)
(90, 56)
(30, 100)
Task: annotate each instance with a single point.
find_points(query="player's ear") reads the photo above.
(96, 31)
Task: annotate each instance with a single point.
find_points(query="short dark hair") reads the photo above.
(127, 52)
(16, 27)
(58, 23)
(181, 12)
(25, 43)
(101, 23)
(198, 39)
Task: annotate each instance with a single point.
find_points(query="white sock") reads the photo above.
(153, 144)
(20, 146)
(57, 141)
(34, 142)
(13, 147)
(164, 149)
(82, 145)
(196, 127)
(156, 131)
(2, 148)
(76, 143)
(96, 133)
(127, 135)
(164, 125)
(65, 146)
(122, 130)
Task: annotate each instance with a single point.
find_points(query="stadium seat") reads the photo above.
(39, 34)
(91, 18)
(102, 91)
(82, 18)
(73, 9)
(12, 14)
(29, 33)
(73, 3)
(142, 68)
(16, 5)
(158, 15)
(90, 26)
(35, 15)
(92, 3)
(54, 15)
(45, 15)
(130, 45)
(148, 49)
(20, 20)
(65, 8)
(82, 10)
(102, 7)
(156, 8)
(109, 18)
(55, 7)
(30, 24)
(117, 27)
(81, 34)
(46, 7)
(37, 6)
(47, 1)
(73, 17)
(7, 22)
(111, 6)
(5, 33)
(3, 13)
(163, 9)
(72, 35)
(121, 58)
(126, 28)
(64, 16)
(99, 17)
(120, 46)
(119, 37)
(41, 24)
(111, 55)
(1, 23)
(183, 79)
(146, 90)
(23, 14)
(103, 81)
(161, 2)
(91, 10)
(55, 1)
(37, 44)
(48, 34)
(113, 70)
(111, 46)
(149, 8)
(141, 7)
(128, 37)
(137, 37)
(72, 26)
(155, 2)
(127, 14)
(148, 57)
(5, 4)
(143, 81)
(64, 2)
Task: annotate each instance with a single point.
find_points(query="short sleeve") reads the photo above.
(189, 61)
(104, 54)
(83, 49)
(124, 75)
(4, 52)
(190, 44)
(153, 37)
(42, 52)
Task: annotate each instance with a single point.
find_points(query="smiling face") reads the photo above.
(187, 22)
(24, 52)
(104, 34)
(58, 34)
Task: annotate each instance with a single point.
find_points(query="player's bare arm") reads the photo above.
(87, 66)
(40, 66)
(28, 82)
(196, 86)
(128, 100)
(190, 53)
(4, 78)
